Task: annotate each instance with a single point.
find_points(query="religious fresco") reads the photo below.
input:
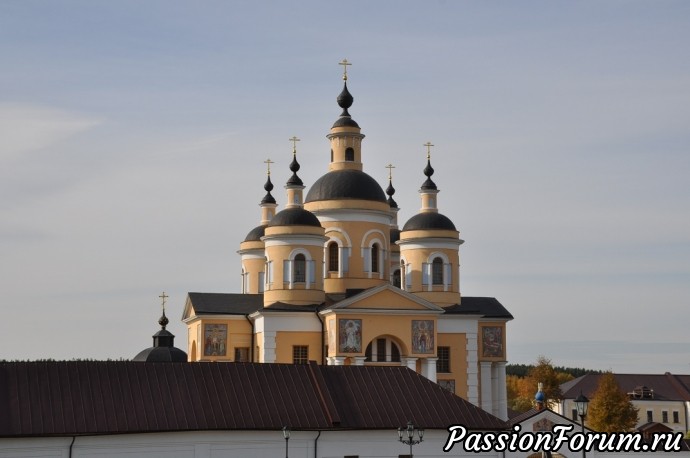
(350, 335)
(543, 425)
(492, 341)
(215, 339)
(422, 336)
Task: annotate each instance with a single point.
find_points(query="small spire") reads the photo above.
(268, 186)
(294, 165)
(428, 170)
(163, 320)
(390, 190)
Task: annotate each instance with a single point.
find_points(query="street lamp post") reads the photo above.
(406, 435)
(581, 402)
(286, 435)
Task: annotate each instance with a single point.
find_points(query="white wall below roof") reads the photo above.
(233, 444)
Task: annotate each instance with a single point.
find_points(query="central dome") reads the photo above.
(346, 184)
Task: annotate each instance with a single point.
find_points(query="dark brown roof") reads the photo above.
(225, 303)
(82, 397)
(485, 306)
(666, 387)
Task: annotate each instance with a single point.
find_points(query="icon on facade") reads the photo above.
(350, 336)
(422, 336)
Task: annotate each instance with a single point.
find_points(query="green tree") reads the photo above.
(610, 409)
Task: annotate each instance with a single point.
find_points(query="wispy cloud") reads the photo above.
(25, 128)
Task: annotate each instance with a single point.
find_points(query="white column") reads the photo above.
(429, 368)
(502, 401)
(472, 368)
(359, 360)
(485, 385)
(269, 347)
(411, 363)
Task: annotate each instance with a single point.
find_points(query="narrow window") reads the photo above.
(242, 355)
(650, 416)
(300, 269)
(333, 257)
(443, 363)
(331, 154)
(349, 155)
(396, 278)
(664, 416)
(676, 418)
(395, 353)
(375, 257)
(574, 414)
(380, 349)
(300, 354)
(437, 271)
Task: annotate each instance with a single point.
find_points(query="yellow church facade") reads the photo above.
(331, 278)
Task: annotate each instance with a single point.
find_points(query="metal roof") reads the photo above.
(487, 307)
(115, 397)
(666, 387)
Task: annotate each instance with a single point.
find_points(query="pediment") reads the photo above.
(386, 297)
(188, 311)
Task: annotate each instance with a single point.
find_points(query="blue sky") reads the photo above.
(132, 136)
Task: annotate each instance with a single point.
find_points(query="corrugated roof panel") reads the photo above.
(65, 398)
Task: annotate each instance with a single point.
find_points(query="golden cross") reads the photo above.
(294, 141)
(163, 297)
(390, 168)
(344, 63)
(268, 163)
(428, 149)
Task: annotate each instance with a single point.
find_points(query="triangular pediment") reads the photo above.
(385, 297)
(188, 311)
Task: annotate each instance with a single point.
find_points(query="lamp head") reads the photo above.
(581, 402)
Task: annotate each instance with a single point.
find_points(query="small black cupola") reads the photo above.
(163, 350)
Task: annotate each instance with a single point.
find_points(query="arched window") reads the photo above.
(331, 154)
(382, 350)
(375, 257)
(437, 271)
(349, 155)
(333, 257)
(300, 269)
(396, 278)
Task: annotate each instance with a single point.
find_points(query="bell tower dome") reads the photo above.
(352, 208)
(429, 254)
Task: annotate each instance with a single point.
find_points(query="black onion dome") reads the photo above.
(163, 350)
(256, 234)
(294, 168)
(390, 190)
(345, 100)
(294, 217)
(428, 171)
(161, 355)
(268, 198)
(346, 184)
(430, 220)
(395, 235)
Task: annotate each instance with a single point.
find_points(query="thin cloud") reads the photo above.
(25, 128)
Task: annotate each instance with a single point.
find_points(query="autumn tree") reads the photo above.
(521, 391)
(610, 409)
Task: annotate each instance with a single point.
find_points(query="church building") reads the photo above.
(331, 278)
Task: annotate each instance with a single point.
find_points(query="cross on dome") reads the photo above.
(345, 64)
